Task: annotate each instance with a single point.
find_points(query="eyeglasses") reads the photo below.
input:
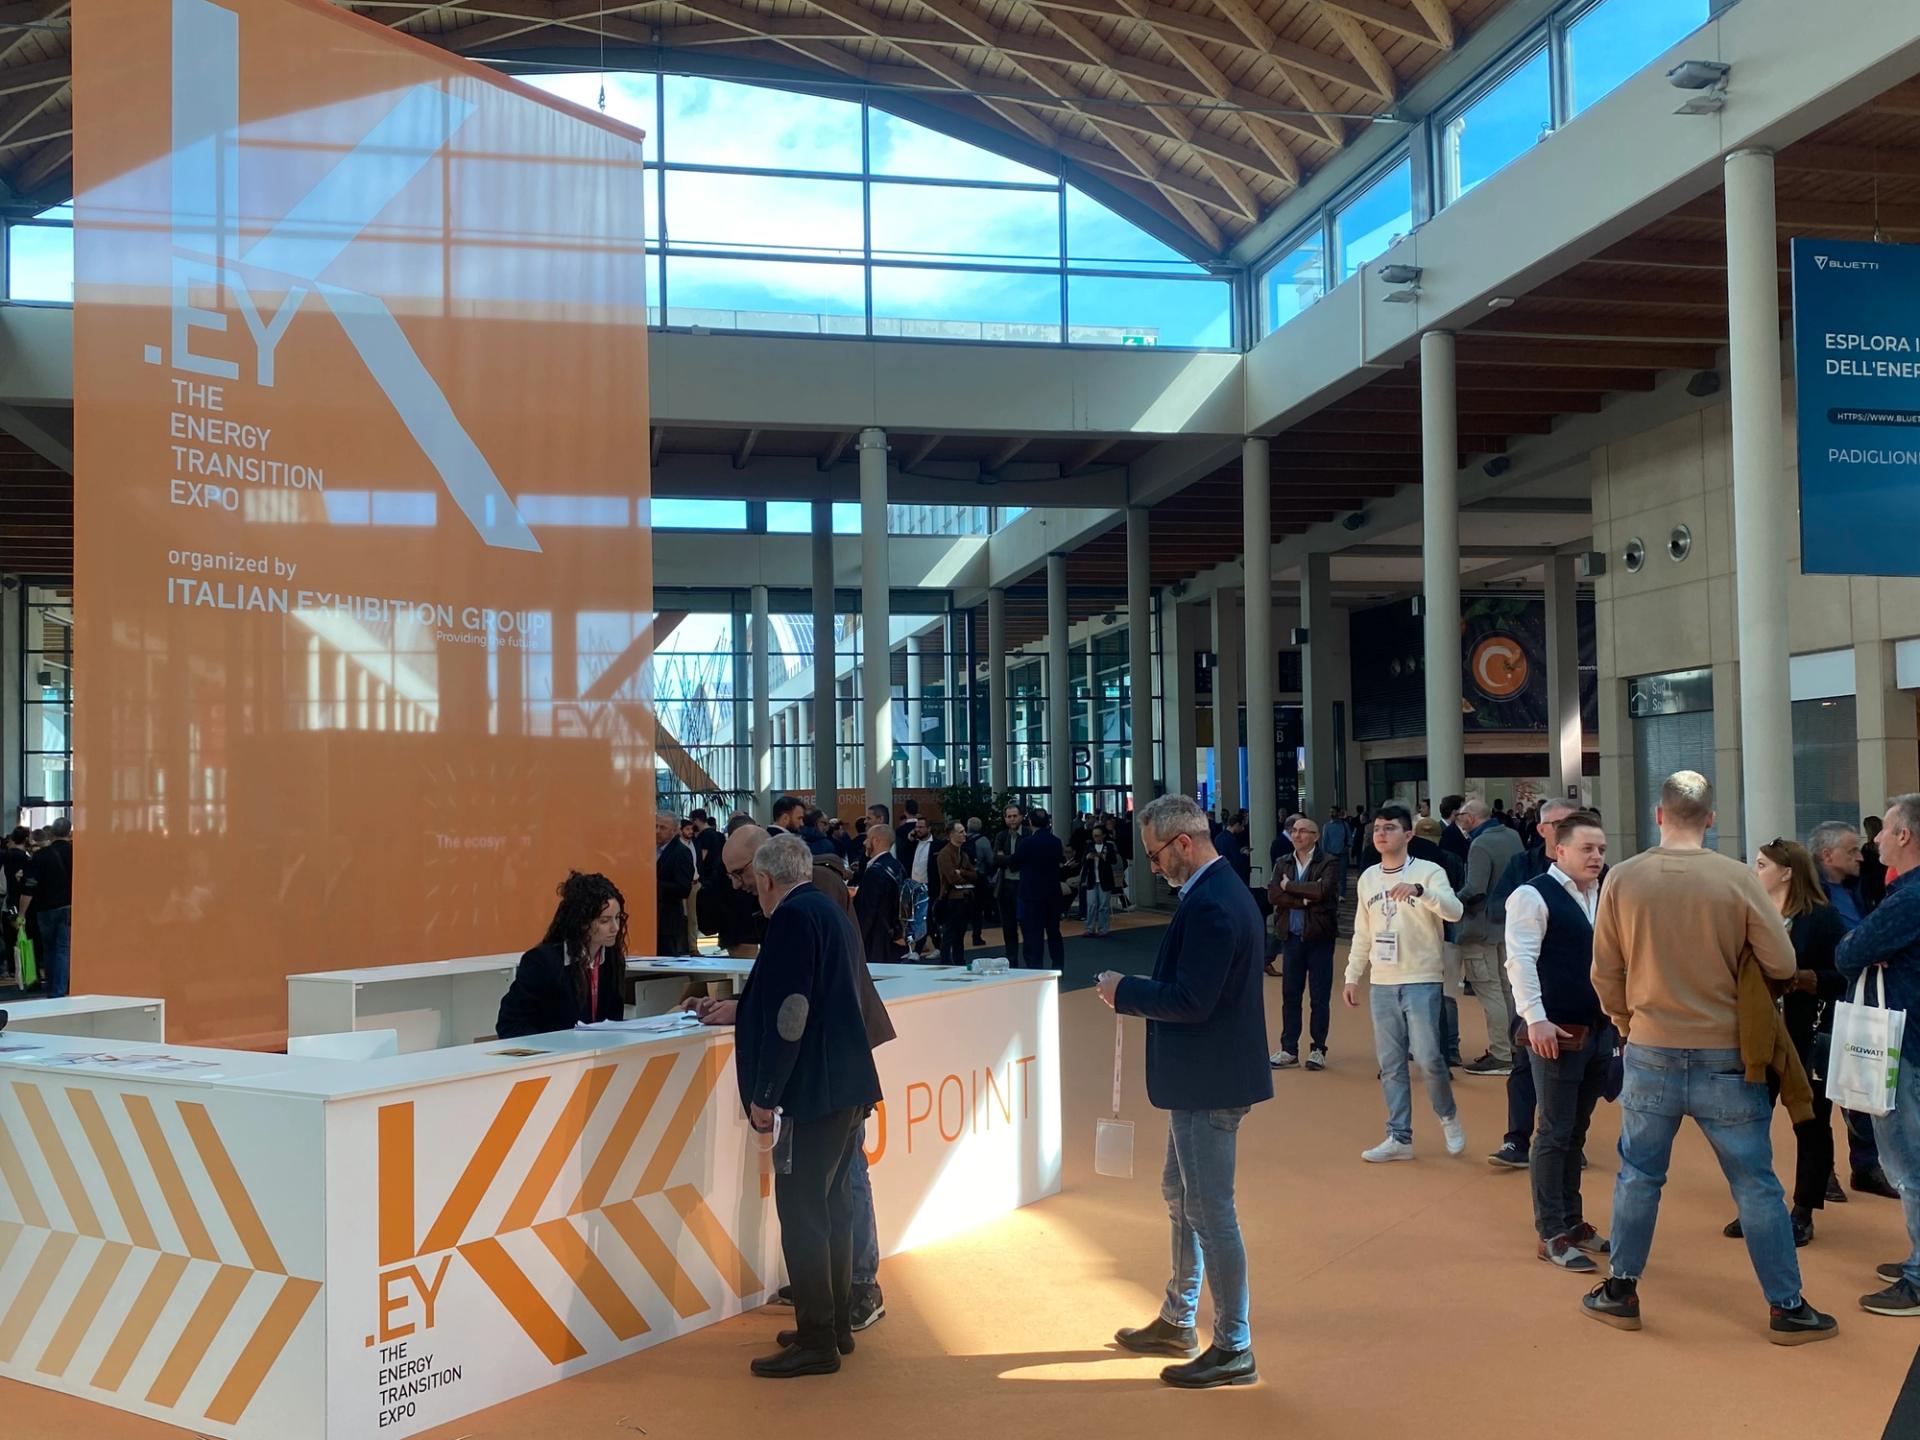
(1153, 856)
(739, 872)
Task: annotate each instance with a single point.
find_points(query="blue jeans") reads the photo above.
(1099, 910)
(917, 927)
(54, 948)
(1898, 1136)
(1407, 1017)
(1664, 1086)
(1198, 1186)
(866, 1232)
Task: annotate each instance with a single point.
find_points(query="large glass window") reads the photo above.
(797, 214)
(1372, 220)
(1501, 123)
(46, 674)
(1297, 279)
(1616, 38)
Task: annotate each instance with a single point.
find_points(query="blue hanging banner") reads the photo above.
(1856, 349)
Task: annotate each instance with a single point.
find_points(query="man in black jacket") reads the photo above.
(804, 1064)
(1006, 882)
(1207, 1064)
(876, 900)
(673, 883)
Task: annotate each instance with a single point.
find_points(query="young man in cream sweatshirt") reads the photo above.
(1404, 906)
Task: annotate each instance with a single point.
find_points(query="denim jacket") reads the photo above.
(1890, 936)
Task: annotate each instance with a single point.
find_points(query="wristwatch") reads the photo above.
(1419, 892)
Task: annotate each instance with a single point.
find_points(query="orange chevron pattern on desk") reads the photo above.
(135, 1265)
(558, 1215)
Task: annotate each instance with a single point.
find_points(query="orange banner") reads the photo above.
(361, 523)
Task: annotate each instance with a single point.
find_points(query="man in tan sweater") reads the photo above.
(1672, 927)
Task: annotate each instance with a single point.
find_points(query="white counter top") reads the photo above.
(43, 1010)
(321, 1079)
(425, 970)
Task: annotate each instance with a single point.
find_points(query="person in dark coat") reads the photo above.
(574, 975)
(673, 884)
(1207, 1065)
(876, 902)
(1038, 860)
(1304, 893)
(805, 1064)
(1006, 881)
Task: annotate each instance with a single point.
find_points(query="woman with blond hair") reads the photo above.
(1787, 873)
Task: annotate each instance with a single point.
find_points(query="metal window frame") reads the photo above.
(1281, 253)
(1363, 186)
(1537, 42)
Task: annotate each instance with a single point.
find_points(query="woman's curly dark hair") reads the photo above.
(582, 898)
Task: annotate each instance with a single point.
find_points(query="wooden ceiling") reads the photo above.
(1604, 328)
(1205, 112)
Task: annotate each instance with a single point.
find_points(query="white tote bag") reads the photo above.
(1112, 1136)
(1864, 1068)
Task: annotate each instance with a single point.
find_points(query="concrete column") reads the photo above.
(1179, 642)
(1256, 487)
(1730, 764)
(998, 748)
(760, 733)
(1226, 700)
(876, 619)
(916, 688)
(826, 665)
(1763, 503)
(1885, 721)
(1320, 684)
(1093, 708)
(1059, 693)
(1564, 743)
(1440, 565)
(1140, 681)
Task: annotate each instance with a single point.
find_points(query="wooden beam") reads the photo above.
(1827, 159)
(1669, 254)
(46, 125)
(1607, 326)
(1393, 18)
(745, 451)
(1360, 45)
(1517, 380)
(1902, 99)
(1439, 20)
(1084, 456)
(1283, 163)
(1003, 455)
(836, 447)
(1334, 422)
(1386, 401)
(36, 76)
(917, 456)
(1690, 294)
(1306, 89)
(56, 155)
(1475, 347)
(1792, 214)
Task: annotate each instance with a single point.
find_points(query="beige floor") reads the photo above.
(1389, 1300)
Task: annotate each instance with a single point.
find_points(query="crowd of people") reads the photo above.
(930, 889)
(1678, 982)
(36, 920)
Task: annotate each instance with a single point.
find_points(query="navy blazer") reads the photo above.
(542, 998)
(1206, 1014)
(801, 1041)
(1038, 861)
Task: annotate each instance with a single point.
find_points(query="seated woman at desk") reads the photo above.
(575, 974)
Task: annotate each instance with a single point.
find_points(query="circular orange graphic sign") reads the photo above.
(1499, 667)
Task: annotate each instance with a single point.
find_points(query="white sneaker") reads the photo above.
(1456, 1134)
(1283, 1060)
(1388, 1149)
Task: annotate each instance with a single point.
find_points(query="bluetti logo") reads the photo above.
(1827, 262)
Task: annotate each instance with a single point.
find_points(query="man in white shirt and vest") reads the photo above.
(1404, 905)
(1569, 1040)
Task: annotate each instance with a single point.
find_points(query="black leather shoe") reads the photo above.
(1214, 1367)
(1836, 1192)
(1802, 1230)
(1160, 1338)
(1874, 1182)
(793, 1362)
(791, 1339)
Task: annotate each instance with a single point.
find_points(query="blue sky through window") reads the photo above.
(1496, 128)
(1617, 38)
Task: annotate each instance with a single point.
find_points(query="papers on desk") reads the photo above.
(143, 1064)
(651, 1024)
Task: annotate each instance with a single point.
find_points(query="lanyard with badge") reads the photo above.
(1386, 943)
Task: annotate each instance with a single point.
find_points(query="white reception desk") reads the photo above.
(431, 1005)
(304, 1249)
(104, 1017)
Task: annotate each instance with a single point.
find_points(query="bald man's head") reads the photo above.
(742, 845)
